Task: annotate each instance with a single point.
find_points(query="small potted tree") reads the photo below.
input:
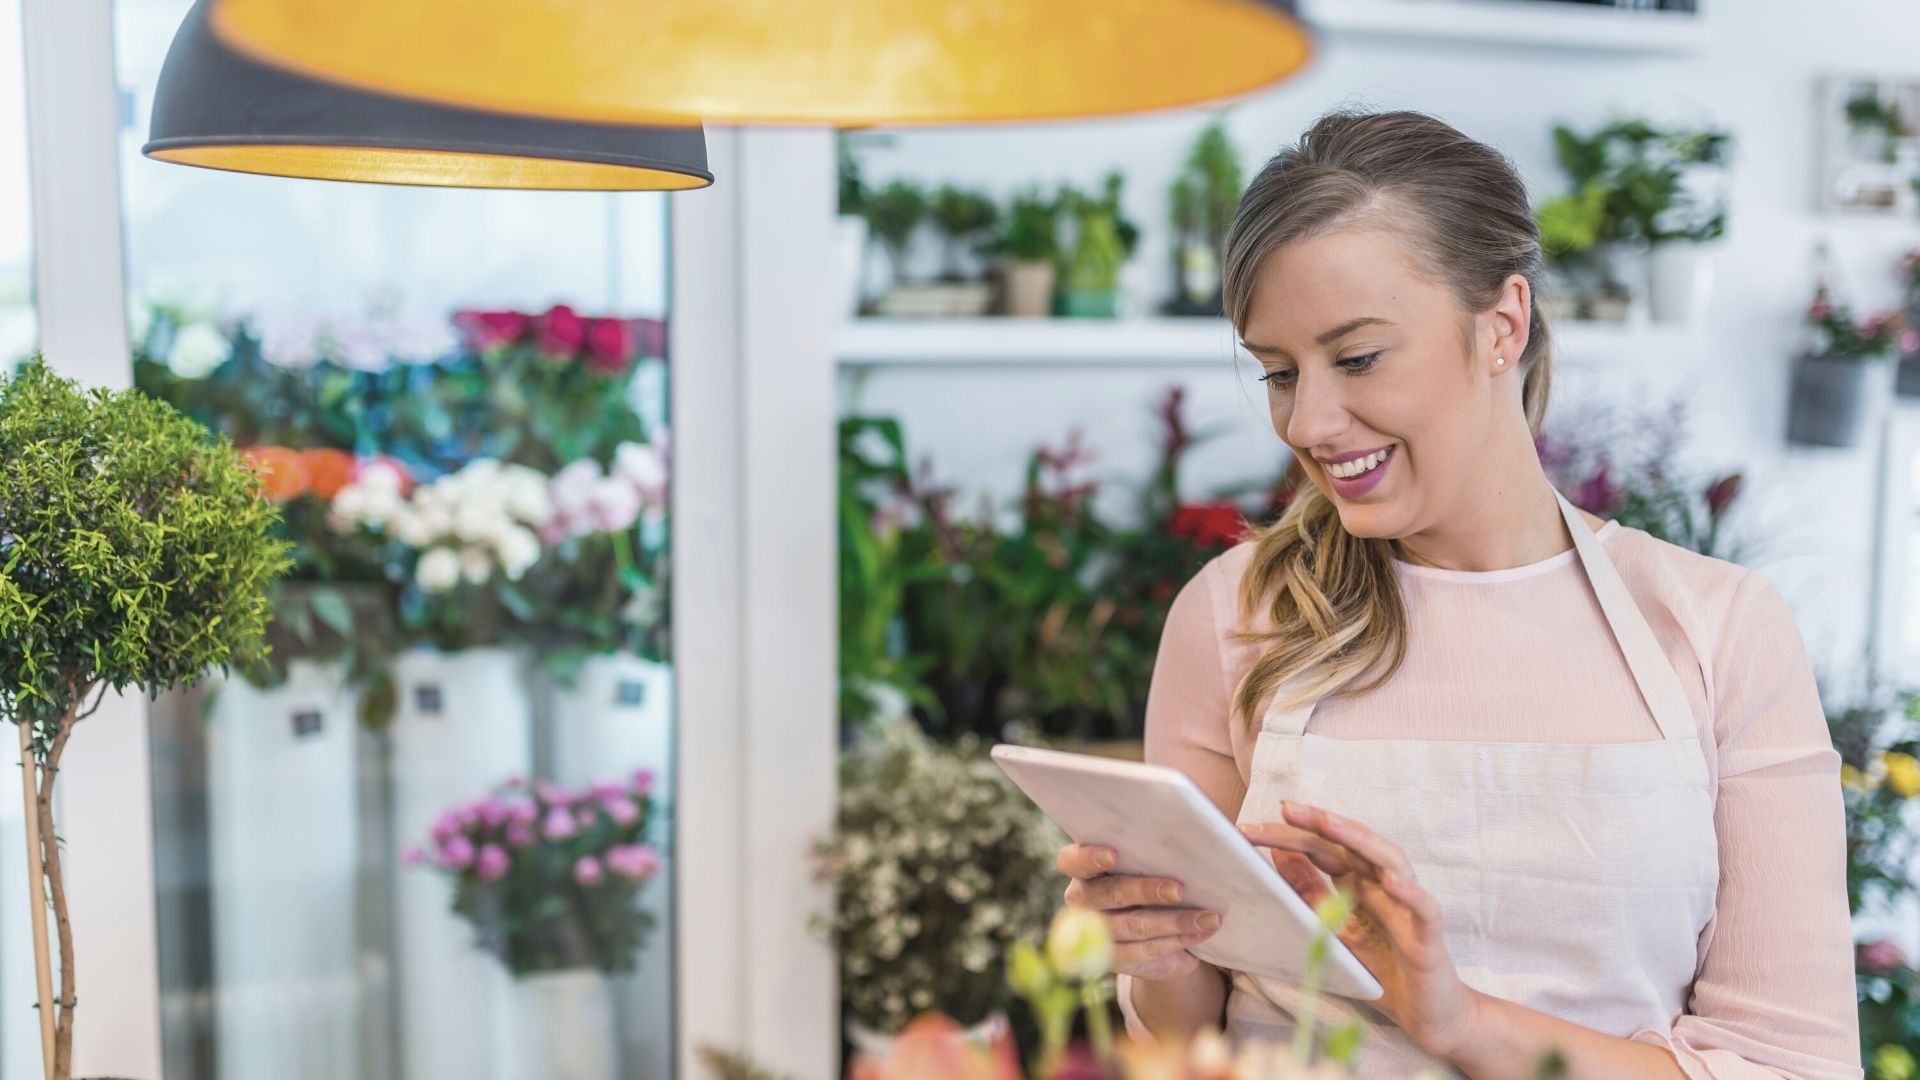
(1837, 377)
(1202, 202)
(962, 218)
(895, 214)
(1027, 247)
(135, 550)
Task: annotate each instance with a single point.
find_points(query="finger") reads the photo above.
(1132, 954)
(1421, 906)
(1112, 891)
(1086, 860)
(1146, 924)
(1300, 873)
(1375, 851)
(1323, 853)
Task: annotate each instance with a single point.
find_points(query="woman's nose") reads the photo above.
(1316, 414)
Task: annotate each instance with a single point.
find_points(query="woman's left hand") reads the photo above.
(1395, 927)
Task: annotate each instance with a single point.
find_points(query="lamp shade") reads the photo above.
(848, 63)
(218, 109)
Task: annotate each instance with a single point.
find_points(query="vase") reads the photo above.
(1029, 288)
(558, 1025)
(1090, 303)
(462, 725)
(1679, 282)
(283, 851)
(1833, 399)
(618, 717)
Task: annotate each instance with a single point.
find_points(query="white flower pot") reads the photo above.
(558, 1025)
(282, 808)
(463, 724)
(1679, 281)
(618, 717)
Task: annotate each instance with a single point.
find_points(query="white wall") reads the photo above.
(1756, 77)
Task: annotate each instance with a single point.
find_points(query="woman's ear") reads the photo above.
(1511, 315)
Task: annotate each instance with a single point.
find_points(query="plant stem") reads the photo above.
(1099, 1024)
(57, 890)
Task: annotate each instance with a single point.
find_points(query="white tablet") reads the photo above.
(1164, 826)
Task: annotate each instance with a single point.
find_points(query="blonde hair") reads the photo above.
(1333, 598)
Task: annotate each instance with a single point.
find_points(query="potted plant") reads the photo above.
(1202, 201)
(895, 214)
(1662, 200)
(1570, 228)
(1028, 247)
(135, 550)
(962, 217)
(1836, 377)
(1874, 126)
(549, 880)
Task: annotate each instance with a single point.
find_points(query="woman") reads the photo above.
(1579, 778)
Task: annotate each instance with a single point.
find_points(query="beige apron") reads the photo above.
(1575, 879)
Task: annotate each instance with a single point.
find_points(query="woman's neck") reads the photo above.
(1506, 523)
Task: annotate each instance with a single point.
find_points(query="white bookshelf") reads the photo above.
(1063, 342)
(1514, 22)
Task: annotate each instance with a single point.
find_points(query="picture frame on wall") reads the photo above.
(1869, 153)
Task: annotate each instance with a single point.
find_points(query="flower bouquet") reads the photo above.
(548, 877)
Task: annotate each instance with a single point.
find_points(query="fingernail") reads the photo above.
(1209, 922)
(1106, 860)
(1170, 892)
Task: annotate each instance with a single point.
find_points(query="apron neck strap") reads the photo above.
(1652, 672)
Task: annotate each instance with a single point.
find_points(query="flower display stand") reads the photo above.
(281, 807)
(462, 724)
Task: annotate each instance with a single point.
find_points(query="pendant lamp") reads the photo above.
(220, 110)
(848, 63)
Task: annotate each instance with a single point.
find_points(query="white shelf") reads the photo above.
(1513, 22)
(1099, 342)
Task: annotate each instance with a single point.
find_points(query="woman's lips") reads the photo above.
(1358, 486)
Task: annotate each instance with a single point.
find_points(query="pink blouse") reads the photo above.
(1524, 654)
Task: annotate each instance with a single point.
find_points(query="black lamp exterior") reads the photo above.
(216, 108)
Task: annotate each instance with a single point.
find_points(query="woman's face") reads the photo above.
(1365, 357)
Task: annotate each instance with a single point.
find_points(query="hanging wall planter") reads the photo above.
(1833, 398)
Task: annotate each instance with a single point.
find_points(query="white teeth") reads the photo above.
(1361, 465)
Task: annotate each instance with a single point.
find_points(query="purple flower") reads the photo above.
(559, 824)
(445, 826)
(492, 863)
(587, 871)
(456, 854)
(621, 810)
(548, 793)
(643, 780)
(585, 818)
(604, 790)
(635, 861)
(493, 812)
(1599, 495)
(523, 812)
(519, 835)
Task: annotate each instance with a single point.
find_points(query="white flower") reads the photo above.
(416, 341)
(616, 506)
(379, 504)
(288, 340)
(439, 570)
(643, 467)
(197, 350)
(412, 528)
(571, 492)
(518, 549)
(476, 520)
(476, 564)
(380, 474)
(349, 503)
(361, 348)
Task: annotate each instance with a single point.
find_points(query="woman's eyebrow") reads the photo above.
(1334, 334)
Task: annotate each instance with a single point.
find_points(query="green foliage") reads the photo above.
(1207, 191)
(1032, 228)
(962, 218)
(1098, 255)
(1570, 225)
(134, 548)
(1643, 171)
(893, 213)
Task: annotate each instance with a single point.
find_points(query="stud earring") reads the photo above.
(1499, 361)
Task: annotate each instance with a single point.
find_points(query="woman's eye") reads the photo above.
(1358, 365)
(1277, 380)
(1353, 365)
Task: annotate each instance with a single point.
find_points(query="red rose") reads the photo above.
(561, 331)
(1209, 524)
(487, 329)
(609, 345)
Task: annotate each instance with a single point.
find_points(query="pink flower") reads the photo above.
(634, 861)
(1882, 955)
(414, 855)
(490, 328)
(1909, 341)
(1599, 495)
(517, 782)
(548, 793)
(520, 836)
(587, 871)
(643, 780)
(561, 331)
(585, 818)
(605, 790)
(456, 854)
(609, 345)
(559, 824)
(493, 813)
(492, 863)
(621, 811)
(523, 812)
(445, 827)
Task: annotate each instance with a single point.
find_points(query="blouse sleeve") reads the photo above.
(1774, 994)
(1187, 717)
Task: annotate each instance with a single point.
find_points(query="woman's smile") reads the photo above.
(1353, 479)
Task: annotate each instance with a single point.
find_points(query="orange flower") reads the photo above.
(933, 1047)
(327, 470)
(282, 472)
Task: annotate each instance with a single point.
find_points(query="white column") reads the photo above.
(754, 595)
(105, 808)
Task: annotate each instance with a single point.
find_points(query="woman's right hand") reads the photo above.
(1151, 934)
